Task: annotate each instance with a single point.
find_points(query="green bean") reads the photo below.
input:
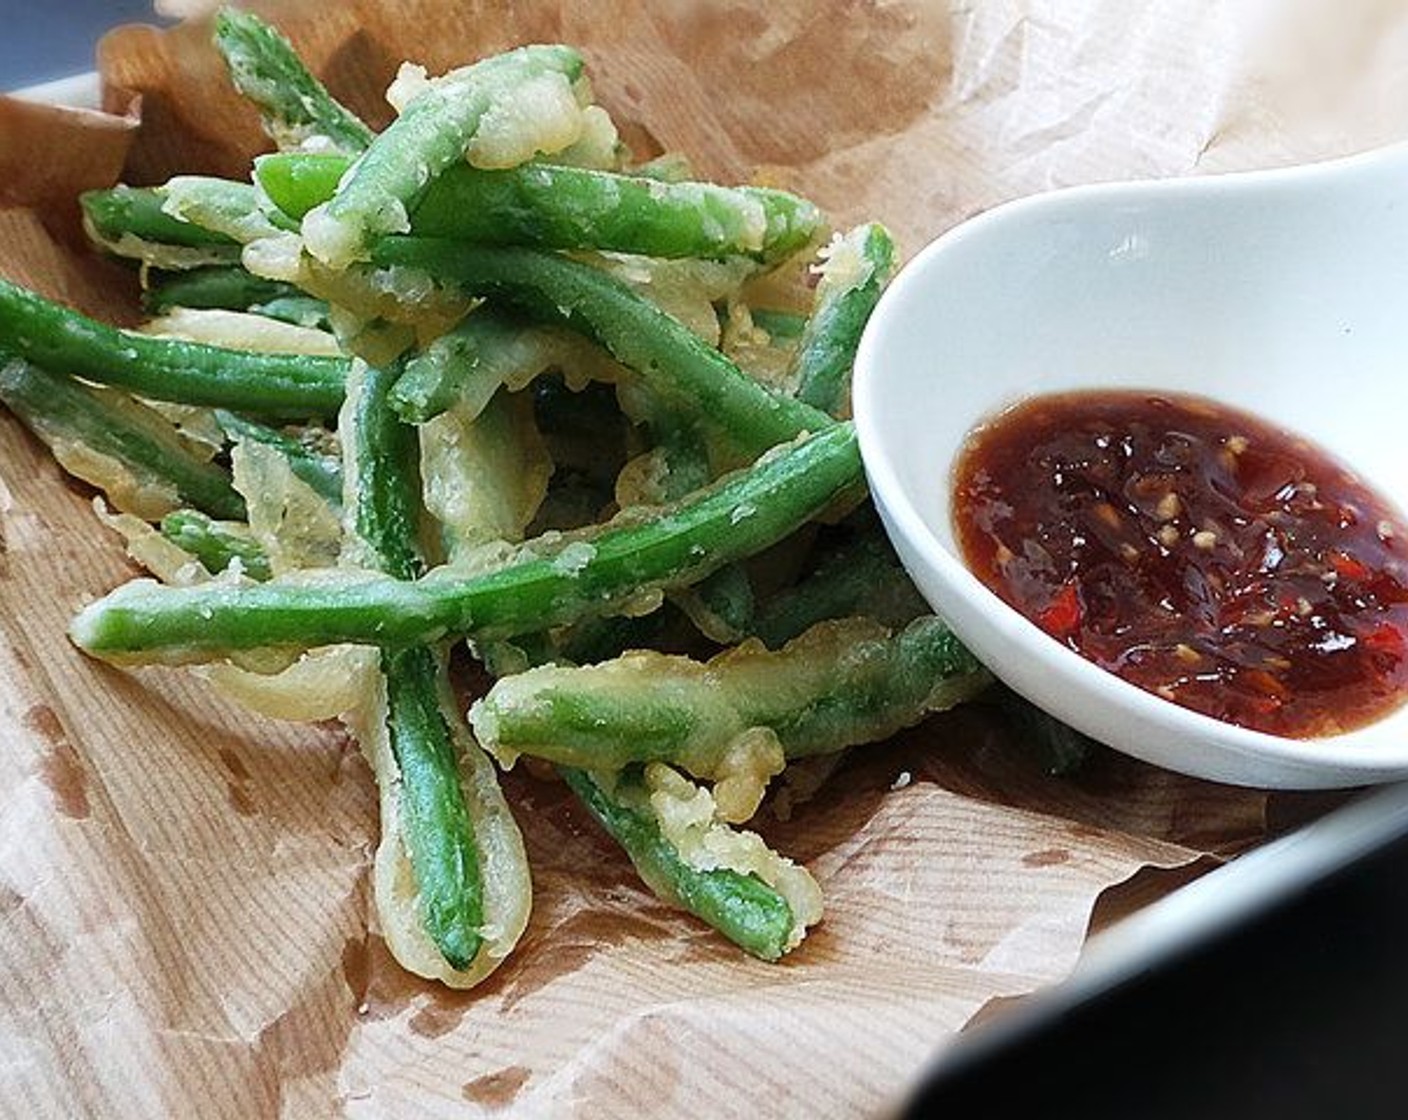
(439, 835)
(322, 473)
(137, 211)
(721, 604)
(587, 641)
(300, 310)
(683, 451)
(223, 206)
(1063, 747)
(742, 907)
(597, 573)
(859, 576)
(228, 288)
(70, 416)
(296, 182)
(232, 288)
(839, 685)
(192, 221)
(294, 104)
(216, 544)
(56, 337)
(432, 133)
(467, 364)
(859, 266)
(680, 370)
(387, 500)
(503, 657)
(548, 206)
(781, 326)
(599, 639)
(863, 576)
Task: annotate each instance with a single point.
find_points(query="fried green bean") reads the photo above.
(599, 639)
(683, 451)
(465, 365)
(1063, 748)
(226, 288)
(56, 337)
(232, 288)
(300, 310)
(679, 369)
(296, 182)
(721, 604)
(438, 832)
(575, 208)
(667, 167)
(386, 497)
(78, 421)
(136, 212)
(223, 206)
(216, 544)
(861, 575)
(322, 473)
(595, 573)
(857, 269)
(782, 326)
(839, 685)
(432, 133)
(547, 206)
(295, 106)
(192, 221)
(747, 911)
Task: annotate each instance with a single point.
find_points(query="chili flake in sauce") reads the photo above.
(1195, 551)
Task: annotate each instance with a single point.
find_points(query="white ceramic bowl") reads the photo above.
(1284, 293)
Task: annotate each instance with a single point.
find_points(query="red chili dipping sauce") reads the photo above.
(1195, 551)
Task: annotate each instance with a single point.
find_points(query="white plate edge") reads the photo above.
(77, 91)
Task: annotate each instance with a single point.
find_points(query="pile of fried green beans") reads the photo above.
(655, 539)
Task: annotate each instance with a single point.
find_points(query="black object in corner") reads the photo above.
(1292, 1005)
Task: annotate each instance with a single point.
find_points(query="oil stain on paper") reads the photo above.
(61, 768)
